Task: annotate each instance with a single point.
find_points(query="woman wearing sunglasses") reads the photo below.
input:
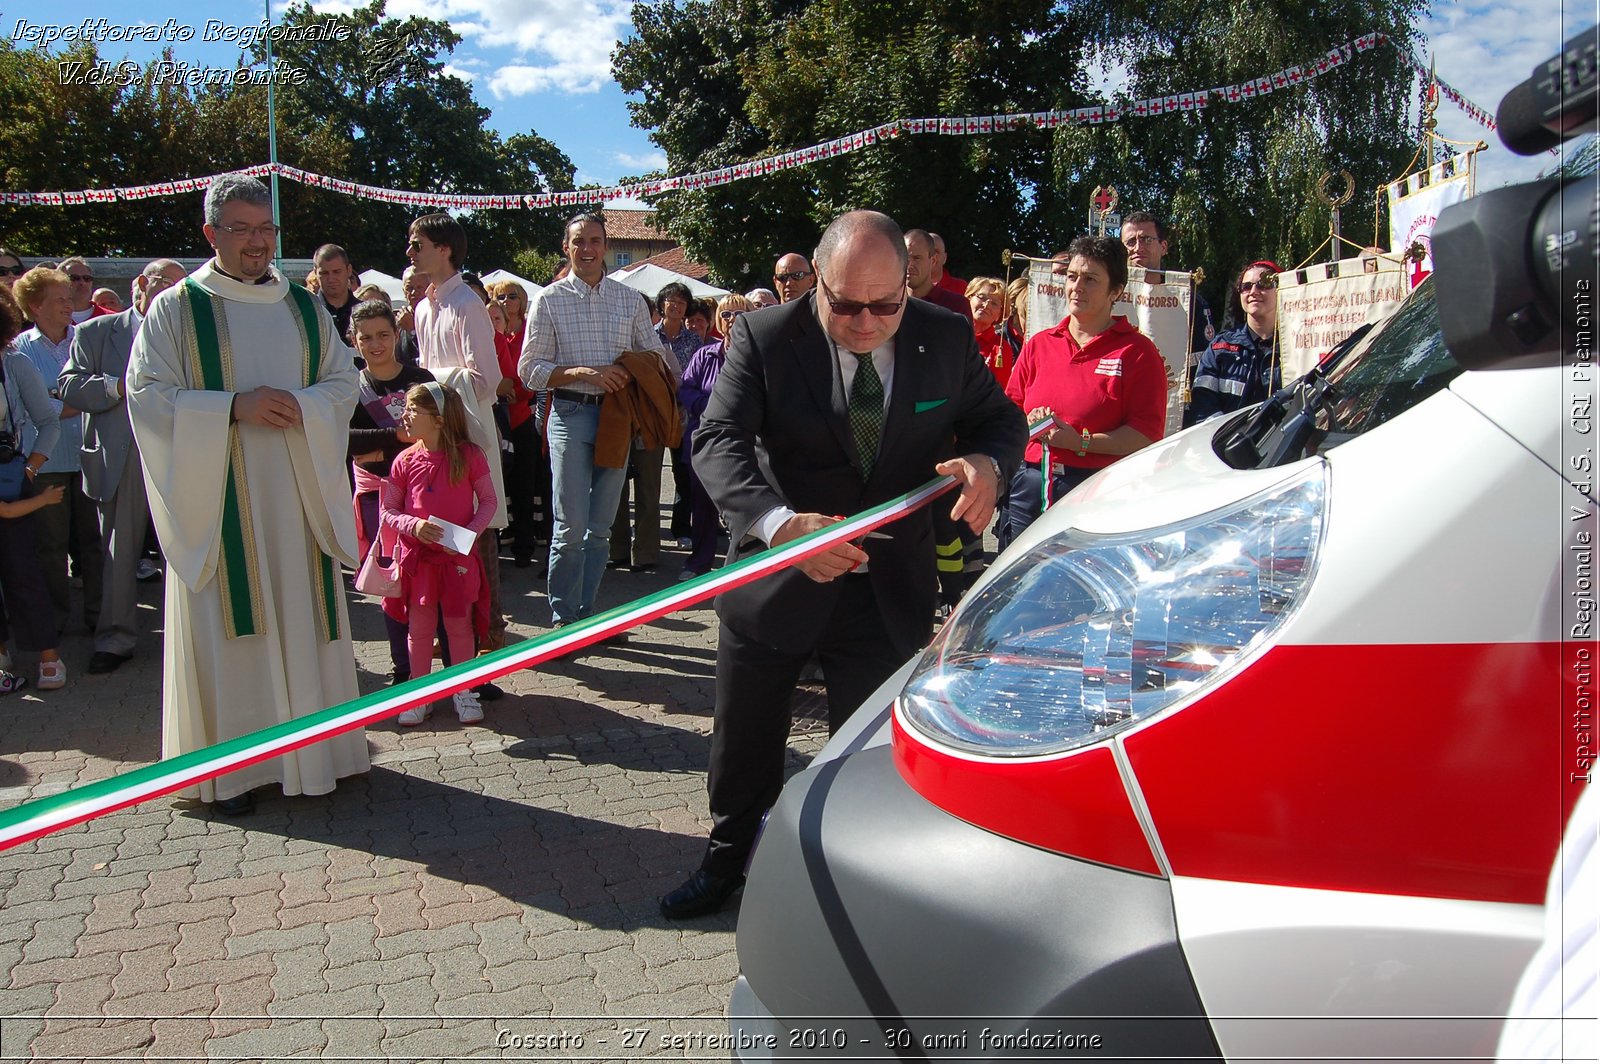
(1240, 367)
(699, 377)
(10, 268)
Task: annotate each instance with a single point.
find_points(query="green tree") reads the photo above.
(370, 104)
(721, 81)
(810, 73)
(1238, 181)
(381, 93)
(684, 65)
(74, 122)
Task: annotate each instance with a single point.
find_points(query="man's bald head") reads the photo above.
(856, 227)
(792, 276)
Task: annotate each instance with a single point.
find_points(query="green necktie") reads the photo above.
(866, 410)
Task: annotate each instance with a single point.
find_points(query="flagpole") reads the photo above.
(272, 140)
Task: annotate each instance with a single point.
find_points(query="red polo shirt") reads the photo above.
(995, 354)
(1116, 379)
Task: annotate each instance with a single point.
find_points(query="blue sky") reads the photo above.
(545, 64)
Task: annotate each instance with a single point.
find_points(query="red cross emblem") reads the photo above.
(1104, 199)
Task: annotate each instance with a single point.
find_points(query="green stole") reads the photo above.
(210, 351)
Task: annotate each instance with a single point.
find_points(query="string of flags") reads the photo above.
(1433, 83)
(973, 125)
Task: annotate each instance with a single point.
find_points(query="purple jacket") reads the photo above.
(699, 377)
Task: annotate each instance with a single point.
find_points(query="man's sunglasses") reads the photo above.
(792, 275)
(849, 308)
(15, 271)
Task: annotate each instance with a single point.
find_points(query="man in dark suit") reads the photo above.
(92, 381)
(828, 405)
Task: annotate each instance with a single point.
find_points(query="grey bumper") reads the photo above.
(875, 924)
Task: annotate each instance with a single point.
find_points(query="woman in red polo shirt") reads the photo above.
(1103, 379)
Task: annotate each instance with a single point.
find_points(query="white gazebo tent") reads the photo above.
(390, 284)
(496, 276)
(651, 278)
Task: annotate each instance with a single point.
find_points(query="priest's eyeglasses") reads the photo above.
(268, 231)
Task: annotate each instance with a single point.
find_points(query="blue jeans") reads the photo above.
(586, 503)
(1025, 505)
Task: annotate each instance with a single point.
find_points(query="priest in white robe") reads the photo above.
(240, 391)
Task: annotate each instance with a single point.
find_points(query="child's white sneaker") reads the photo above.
(416, 714)
(467, 708)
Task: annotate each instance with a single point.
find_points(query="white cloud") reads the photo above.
(519, 79)
(1483, 51)
(558, 45)
(453, 70)
(650, 160)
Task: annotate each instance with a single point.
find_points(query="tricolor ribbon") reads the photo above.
(42, 816)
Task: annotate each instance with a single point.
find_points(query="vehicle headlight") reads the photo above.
(1086, 634)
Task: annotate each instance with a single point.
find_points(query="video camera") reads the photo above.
(1517, 266)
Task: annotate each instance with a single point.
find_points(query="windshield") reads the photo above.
(1370, 378)
(1397, 367)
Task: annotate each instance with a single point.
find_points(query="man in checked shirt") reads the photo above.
(580, 325)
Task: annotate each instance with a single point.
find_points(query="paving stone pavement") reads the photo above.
(486, 891)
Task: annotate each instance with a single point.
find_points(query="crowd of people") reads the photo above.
(276, 436)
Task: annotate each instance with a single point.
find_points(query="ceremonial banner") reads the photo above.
(1415, 202)
(1321, 305)
(1157, 302)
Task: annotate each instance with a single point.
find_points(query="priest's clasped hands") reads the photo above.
(271, 407)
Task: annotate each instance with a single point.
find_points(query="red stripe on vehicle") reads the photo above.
(1075, 805)
(1427, 770)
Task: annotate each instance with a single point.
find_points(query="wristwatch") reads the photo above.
(994, 464)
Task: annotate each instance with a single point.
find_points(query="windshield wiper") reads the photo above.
(1250, 446)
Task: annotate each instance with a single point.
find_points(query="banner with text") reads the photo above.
(1415, 202)
(1320, 305)
(1157, 302)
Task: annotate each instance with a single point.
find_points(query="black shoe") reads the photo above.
(645, 567)
(396, 677)
(104, 661)
(616, 564)
(239, 805)
(704, 892)
(522, 561)
(488, 692)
